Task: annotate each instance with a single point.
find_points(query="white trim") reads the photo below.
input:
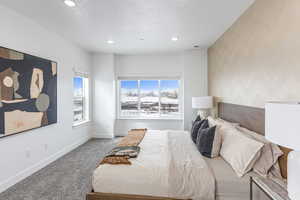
(159, 98)
(4, 185)
(148, 78)
(75, 125)
(139, 97)
(149, 118)
(80, 73)
(85, 98)
(103, 135)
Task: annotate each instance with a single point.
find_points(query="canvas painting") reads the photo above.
(28, 92)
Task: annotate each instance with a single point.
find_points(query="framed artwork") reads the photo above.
(28, 92)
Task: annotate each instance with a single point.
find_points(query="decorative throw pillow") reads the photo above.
(204, 124)
(198, 125)
(209, 142)
(194, 130)
(198, 118)
(239, 151)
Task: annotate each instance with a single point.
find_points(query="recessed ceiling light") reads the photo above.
(174, 38)
(110, 41)
(70, 3)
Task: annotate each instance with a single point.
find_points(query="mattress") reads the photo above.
(228, 185)
(169, 165)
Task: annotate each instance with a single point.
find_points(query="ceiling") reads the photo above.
(136, 26)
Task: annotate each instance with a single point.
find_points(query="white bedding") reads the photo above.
(169, 165)
(228, 185)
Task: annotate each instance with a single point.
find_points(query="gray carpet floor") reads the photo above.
(68, 178)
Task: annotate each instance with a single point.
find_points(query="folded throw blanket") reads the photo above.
(134, 138)
(126, 149)
(132, 152)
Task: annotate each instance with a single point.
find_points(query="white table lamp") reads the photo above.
(204, 104)
(283, 128)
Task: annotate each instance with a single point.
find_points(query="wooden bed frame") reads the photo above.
(110, 196)
(248, 117)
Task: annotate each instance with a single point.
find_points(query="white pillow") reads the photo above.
(239, 151)
(221, 124)
(211, 121)
(270, 154)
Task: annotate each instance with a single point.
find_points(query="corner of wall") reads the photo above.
(104, 96)
(195, 80)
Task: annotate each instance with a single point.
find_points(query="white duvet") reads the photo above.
(169, 165)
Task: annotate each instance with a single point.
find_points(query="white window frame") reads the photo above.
(86, 98)
(178, 117)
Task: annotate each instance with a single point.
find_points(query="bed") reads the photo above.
(180, 173)
(168, 165)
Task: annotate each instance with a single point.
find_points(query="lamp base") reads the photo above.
(204, 113)
(293, 179)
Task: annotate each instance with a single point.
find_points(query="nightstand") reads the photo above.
(272, 189)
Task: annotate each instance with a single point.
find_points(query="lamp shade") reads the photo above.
(202, 102)
(283, 124)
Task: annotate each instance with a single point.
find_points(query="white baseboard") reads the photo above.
(103, 135)
(30, 170)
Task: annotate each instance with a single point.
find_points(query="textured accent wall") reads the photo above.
(258, 58)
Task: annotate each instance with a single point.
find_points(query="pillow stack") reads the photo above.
(243, 149)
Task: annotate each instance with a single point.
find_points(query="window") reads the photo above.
(149, 99)
(80, 99)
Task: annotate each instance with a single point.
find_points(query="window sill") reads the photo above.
(150, 118)
(81, 123)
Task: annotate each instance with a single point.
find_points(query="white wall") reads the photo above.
(195, 82)
(191, 66)
(25, 153)
(104, 95)
(149, 65)
(163, 65)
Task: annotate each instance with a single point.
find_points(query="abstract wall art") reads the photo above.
(28, 92)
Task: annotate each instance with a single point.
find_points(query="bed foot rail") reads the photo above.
(110, 196)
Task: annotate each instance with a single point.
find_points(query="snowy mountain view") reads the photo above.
(151, 98)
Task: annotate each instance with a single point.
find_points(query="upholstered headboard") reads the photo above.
(252, 119)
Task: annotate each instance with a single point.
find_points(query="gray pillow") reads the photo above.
(209, 142)
(198, 125)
